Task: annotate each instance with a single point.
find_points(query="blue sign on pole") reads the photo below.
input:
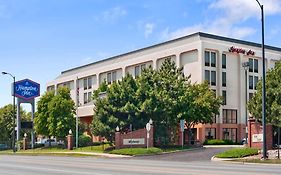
(27, 89)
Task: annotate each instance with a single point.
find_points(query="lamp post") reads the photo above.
(14, 109)
(246, 65)
(263, 86)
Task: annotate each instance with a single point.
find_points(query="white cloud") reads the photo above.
(230, 14)
(148, 29)
(113, 14)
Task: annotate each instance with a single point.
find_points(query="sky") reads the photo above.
(41, 38)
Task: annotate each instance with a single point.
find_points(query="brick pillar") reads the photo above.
(250, 123)
(25, 143)
(117, 140)
(70, 142)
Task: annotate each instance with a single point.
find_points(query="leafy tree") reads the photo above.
(55, 114)
(165, 96)
(273, 97)
(43, 113)
(6, 121)
(61, 114)
(117, 109)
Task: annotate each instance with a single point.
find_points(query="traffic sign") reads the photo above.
(182, 125)
(148, 127)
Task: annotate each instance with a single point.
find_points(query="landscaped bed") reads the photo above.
(96, 149)
(237, 153)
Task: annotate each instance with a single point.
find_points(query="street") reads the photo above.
(45, 165)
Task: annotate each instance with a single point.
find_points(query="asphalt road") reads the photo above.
(204, 154)
(47, 165)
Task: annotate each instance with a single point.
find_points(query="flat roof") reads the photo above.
(201, 34)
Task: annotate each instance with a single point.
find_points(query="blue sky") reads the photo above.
(41, 38)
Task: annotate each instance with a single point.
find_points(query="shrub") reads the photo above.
(85, 141)
(136, 151)
(220, 142)
(237, 153)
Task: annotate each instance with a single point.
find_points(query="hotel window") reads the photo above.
(111, 77)
(213, 59)
(108, 78)
(89, 97)
(50, 88)
(85, 98)
(87, 82)
(256, 79)
(207, 58)
(210, 133)
(230, 134)
(224, 61)
(230, 116)
(251, 65)
(137, 71)
(143, 66)
(114, 76)
(213, 78)
(256, 66)
(251, 82)
(224, 97)
(207, 75)
(90, 82)
(223, 79)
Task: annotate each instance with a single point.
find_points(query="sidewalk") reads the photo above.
(223, 146)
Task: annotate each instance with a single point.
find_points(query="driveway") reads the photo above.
(201, 154)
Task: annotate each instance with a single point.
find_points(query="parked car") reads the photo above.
(3, 146)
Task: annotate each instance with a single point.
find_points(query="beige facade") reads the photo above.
(204, 56)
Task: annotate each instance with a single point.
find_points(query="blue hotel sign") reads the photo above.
(27, 89)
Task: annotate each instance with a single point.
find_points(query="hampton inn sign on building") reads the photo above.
(208, 57)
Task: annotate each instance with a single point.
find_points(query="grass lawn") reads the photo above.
(268, 161)
(237, 153)
(136, 151)
(145, 151)
(95, 149)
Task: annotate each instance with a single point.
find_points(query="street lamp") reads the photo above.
(263, 86)
(246, 65)
(14, 109)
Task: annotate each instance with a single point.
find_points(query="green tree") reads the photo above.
(55, 115)
(6, 121)
(273, 97)
(119, 108)
(43, 113)
(165, 96)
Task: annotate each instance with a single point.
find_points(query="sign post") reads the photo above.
(182, 130)
(25, 91)
(148, 127)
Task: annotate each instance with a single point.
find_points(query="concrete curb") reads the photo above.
(223, 146)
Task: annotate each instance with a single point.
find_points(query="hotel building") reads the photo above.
(217, 59)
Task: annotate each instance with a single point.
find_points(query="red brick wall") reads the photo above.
(256, 128)
(141, 133)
